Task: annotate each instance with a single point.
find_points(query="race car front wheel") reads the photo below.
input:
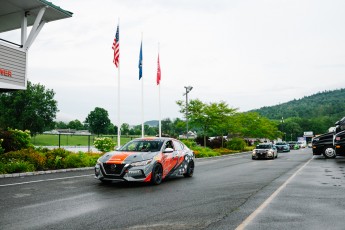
(157, 174)
(190, 169)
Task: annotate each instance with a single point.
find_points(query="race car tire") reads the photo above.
(329, 152)
(157, 174)
(190, 169)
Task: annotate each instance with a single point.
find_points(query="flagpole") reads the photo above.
(160, 123)
(118, 110)
(142, 95)
(118, 105)
(159, 104)
(142, 107)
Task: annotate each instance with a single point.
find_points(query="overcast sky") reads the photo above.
(248, 53)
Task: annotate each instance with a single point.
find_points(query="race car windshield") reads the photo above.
(142, 146)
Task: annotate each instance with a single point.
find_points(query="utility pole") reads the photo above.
(188, 89)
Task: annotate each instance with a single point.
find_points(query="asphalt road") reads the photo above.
(295, 191)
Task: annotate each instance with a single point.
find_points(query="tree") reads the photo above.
(179, 126)
(111, 129)
(98, 120)
(292, 129)
(251, 124)
(61, 125)
(207, 117)
(125, 128)
(167, 126)
(32, 109)
(76, 124)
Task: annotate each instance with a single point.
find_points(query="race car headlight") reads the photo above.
(141, 163)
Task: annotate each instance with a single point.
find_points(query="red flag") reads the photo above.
(158, 72)
(116, 48)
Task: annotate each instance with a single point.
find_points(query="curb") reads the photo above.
(43, 172)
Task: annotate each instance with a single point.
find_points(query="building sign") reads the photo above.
(308, 134)
(12, 67)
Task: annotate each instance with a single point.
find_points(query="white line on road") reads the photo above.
(36, 181)
(269, 200)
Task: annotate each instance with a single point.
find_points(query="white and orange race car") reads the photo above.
(146, 159)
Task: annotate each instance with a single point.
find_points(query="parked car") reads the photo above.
(146, 160)
(265, 151)
(301, 144)
(282, 147)
(310, 145)
(323, 144)
(330, 144)
(294, 145)
(339, 143)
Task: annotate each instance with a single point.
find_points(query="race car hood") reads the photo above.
(119, 157)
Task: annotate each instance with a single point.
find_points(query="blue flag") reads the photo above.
(141, 61)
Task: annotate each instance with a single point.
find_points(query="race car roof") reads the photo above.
(12, 11)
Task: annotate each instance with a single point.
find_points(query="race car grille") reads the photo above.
(113, 169)
(261, 154)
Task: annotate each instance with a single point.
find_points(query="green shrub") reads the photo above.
(1, 149)
(236, 144)
(80, 160)
(16, 167)
(27, 160)
(200, 151)
(224, 151)
(15, 139)
(55, 158)
(249, 148)
(104, 144)
(29, 155)
(204, 152)
(189, 143)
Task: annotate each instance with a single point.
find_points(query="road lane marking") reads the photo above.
(269, 200)
(36, 181)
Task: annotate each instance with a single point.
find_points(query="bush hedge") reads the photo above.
(236, 144)
(14, 139)
(31, 159)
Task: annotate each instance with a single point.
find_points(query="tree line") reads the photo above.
(35, 109)
(316, 113)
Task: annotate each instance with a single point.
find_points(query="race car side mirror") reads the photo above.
(168, 150)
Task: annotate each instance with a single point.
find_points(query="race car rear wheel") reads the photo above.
(190, 169)
(157, 174)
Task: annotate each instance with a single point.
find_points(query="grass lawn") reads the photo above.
(70, 140)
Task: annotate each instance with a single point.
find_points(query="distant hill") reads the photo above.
(329, 104)
(153, 123)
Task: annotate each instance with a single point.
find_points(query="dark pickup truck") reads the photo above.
(331, 144)
(339, 142)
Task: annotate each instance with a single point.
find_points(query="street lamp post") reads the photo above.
(188, 89)
(282, 121)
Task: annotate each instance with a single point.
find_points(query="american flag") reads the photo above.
(158, 72)
(116, 48)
